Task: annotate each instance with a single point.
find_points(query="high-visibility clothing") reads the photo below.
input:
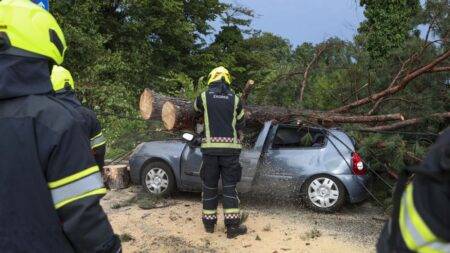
(63, 87)
(213, 168)
(421, 219)
(415, 232)
(223, 116)
(50, 187)
(61, 79)
(28, 30)
(94, 130)
(219, 74)
(89, 122)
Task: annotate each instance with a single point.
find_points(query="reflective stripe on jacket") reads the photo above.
(415, 232)
(223, 116)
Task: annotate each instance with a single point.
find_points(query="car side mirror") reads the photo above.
(188, 137)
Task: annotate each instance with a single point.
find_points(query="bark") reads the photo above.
(408, 122)
(151, 103)
(440, 69)
(396, 88)
(178, 114)
(116, 176)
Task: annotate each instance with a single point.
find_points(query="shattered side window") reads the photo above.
(298, 137)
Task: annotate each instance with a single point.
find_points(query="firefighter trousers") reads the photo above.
(229, 169)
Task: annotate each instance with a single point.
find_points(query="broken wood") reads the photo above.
(178, 114)
(116, 176)
(247, 89)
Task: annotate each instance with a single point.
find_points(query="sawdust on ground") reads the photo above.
(174, 225)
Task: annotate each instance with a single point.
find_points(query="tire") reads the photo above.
(157, 179)
(324, 193)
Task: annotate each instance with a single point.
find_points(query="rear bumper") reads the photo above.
(136, 163)
(356, 186)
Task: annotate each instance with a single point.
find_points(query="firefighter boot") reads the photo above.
(236, 230)
(209, 228)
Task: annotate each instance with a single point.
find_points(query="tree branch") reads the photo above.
(396, 88)
(393, 82)
(408, 122)
(247, 89)
(316, 57)
(440, 69)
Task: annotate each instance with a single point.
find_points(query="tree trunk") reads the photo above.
(178, 114)
(116, 176)
(151, 103)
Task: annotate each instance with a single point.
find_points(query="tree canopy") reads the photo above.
(118, 48)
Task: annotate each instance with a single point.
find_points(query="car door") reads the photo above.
(191, 162)
(283, 166)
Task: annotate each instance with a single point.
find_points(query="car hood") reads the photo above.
(160, 148)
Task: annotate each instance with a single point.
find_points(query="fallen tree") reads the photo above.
(178, 114)
(409, 122)
(151, 103)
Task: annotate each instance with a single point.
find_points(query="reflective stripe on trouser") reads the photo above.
(97, 140)
(415, 232)
(210, 202)
(231, 205)
(77, 186)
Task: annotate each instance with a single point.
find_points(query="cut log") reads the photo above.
(178, 114)
(151, 103)
(116, 176)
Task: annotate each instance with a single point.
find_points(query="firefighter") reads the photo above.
(63, 88)
(223, 117)
(421, 216)
(50, 185)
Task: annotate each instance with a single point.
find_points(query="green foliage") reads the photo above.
(118, 48)
(388, 24)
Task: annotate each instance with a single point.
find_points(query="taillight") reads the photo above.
(357, 165)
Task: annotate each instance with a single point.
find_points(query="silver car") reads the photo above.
(319, 165)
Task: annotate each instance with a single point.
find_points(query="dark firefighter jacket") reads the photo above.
(90, 123)
(50, 185)
(223, 117)
(421, 220)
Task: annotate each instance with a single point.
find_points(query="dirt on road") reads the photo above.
(174, 225)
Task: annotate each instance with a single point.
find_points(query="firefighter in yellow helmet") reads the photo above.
(50, 184)
(223, 117)
(421, 216)
(63, 88)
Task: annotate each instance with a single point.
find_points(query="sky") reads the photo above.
(306, 20)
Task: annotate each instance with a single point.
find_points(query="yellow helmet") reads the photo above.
(61, 79)
(219, 73)
(26, 29)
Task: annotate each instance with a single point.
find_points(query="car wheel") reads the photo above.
(157, 179)
(324, 193)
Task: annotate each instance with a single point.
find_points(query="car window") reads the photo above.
(298, 137)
